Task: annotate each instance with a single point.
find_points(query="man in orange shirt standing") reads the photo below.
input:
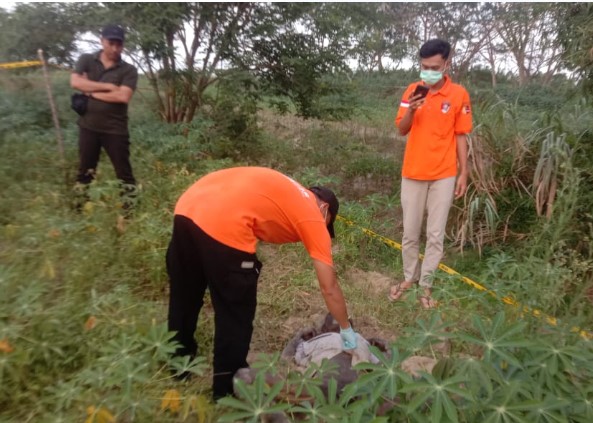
(435, 163)
(218, 222)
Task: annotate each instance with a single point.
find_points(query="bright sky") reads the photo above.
(8, 5)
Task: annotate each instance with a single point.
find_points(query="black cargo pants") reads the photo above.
(117, 148)
(195, 261)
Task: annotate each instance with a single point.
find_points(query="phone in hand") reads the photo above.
(422, 90)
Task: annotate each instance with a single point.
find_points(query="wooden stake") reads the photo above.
(54, 110)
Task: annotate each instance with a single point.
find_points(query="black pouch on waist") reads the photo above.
(79, 103)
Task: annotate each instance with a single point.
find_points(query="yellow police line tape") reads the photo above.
(20, 64)
(506, 299)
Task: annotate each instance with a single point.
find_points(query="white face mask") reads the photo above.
(325, 215)
(431, 77)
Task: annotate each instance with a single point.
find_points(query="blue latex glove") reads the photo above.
(348, 338)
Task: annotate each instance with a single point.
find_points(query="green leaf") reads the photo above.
(499, 341)
(384, 379)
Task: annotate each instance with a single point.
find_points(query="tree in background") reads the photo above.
(293, 49)
(465, 27)
(52, 27)
(525, 33)
(185, 48)
(296, 54)
(381, 31)
(528, 30)
(180, 47)
(576, 36)
(494, 51)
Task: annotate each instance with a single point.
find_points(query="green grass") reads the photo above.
(84, 299)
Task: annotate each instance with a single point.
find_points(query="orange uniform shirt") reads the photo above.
(239, 206)
(431, 149)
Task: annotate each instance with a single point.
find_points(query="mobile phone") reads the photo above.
(422, 90)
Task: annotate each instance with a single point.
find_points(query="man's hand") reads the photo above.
(461, 185)
(85, 85)
(121, 94)
(348, 338)
(415, 102)
(107, 86)
(332, 293)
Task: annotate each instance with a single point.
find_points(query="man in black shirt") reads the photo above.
(109, 82)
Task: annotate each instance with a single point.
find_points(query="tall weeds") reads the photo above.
(83, 295)
(526, 186)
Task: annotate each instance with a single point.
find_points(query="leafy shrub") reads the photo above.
(514, 378)
(24, 110)
(227, 125)
(83, 298)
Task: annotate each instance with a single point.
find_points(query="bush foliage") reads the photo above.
(83, 306)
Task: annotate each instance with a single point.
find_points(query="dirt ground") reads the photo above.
(304, 308)
(272, 333)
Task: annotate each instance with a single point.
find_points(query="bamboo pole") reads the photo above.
(54, 110)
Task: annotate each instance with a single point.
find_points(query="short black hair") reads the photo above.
(434, 47)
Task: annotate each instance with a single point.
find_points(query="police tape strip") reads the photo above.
(20, 64)
(506, 299)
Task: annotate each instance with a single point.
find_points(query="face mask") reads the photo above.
(431, 77)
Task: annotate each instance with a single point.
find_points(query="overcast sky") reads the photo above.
(8, 5)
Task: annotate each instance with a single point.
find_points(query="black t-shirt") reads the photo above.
(110, 118)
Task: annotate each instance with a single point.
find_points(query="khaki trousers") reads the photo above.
(434, 198)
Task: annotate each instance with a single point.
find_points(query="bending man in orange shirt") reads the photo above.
(218, 222)
(435, 163)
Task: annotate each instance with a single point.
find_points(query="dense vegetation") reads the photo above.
(83, 294)
(284, 51)
(83, 305)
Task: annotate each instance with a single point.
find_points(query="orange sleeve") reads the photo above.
(463, 120)
(404, 104)
(316, 240)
